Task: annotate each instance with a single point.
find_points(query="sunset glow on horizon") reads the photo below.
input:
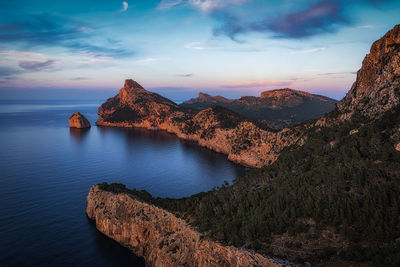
(227, 47)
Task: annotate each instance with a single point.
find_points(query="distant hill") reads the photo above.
(276, 108)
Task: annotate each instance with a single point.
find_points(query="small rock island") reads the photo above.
(77, 120)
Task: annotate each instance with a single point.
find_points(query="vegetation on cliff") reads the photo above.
(334, 197)
(337, 197)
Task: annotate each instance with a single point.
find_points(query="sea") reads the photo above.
(47, 169)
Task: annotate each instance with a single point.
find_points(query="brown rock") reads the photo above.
(159, 236)
(377, 87)
(77, 120)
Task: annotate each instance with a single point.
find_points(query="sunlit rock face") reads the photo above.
(216, 128)
(77, 120)
(158, 236)
(377, 88)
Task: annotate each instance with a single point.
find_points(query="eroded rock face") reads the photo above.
(77, 120)
(160, 237)
(377, 88)
(216, 128)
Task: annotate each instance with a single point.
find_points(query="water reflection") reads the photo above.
(112, 251)
(79, 135)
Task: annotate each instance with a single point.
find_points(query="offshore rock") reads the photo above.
(158, 236)
(77, 120)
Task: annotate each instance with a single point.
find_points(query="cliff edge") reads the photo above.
(160, 237)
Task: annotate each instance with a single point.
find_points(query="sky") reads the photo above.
(180, 47)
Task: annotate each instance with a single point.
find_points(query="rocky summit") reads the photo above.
(77, 120)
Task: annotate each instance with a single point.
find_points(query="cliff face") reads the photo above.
(216, 128)
(377, 87)
(77, 120)
(160, 237)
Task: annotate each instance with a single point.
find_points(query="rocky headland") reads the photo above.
(77, 120)
(160, 237)
(216, 128)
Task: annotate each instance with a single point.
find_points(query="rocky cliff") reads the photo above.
(77, 120)
(377, 87)
(159, 236)
(216, 128)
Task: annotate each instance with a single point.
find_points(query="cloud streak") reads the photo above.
(36, 65)
(256, 84)
(166, 4)
(188, 75)
(316, 19)
(320, 17)
(47, 30)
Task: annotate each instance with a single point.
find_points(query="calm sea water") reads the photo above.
(46, 170)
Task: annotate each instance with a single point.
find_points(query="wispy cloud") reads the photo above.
(195, 46)
(336, 75)
(211, 5)
(206, 6)
(125, 6)
(8, 72)
(79, 79)
(49, 30)
(166, 4)
(256, 84)
(150, 60)
(36, 65)
(309, 51)
(187, 75)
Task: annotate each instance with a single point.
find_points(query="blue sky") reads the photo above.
(181, 47)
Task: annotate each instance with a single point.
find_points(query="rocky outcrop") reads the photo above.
(377, 87)
(158, 236)
(216, 128)
(77, 120)
(206, 98)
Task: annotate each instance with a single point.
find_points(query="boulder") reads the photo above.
(77, 120)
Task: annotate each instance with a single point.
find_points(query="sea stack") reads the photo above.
(77, 120)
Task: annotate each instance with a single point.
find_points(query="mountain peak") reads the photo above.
(283, 93)
(377, 87)
(131, 84)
